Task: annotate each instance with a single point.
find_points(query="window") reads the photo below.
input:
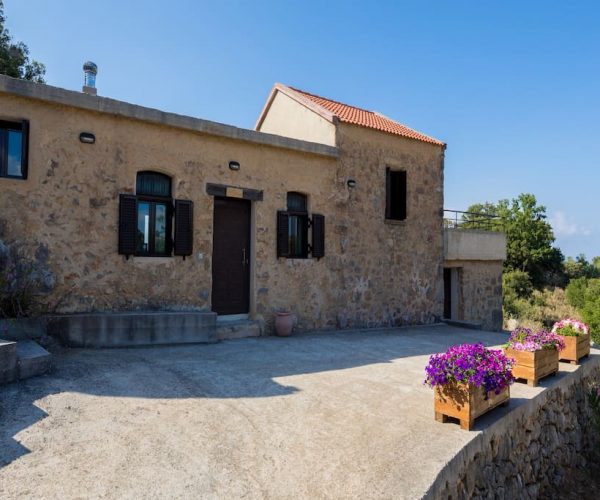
(292, 230)
(146, 219)
(13, 149)
(297, 225)
(395, 200)
(153, 237)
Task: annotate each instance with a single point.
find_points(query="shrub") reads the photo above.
(591, 308)
(541, 310)
(576, 291)
(20, 282)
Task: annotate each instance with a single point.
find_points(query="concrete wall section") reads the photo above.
(471, 244)
(288, 118)
(479, 292)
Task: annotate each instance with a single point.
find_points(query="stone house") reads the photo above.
(327, 210)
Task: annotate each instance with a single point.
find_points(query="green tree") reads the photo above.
(14, 56)
(529, 238)
(580, 268)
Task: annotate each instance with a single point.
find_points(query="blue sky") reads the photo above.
(511, 86)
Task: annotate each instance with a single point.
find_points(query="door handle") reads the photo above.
(244, 261)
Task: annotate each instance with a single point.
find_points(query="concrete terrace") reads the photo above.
(333, 415)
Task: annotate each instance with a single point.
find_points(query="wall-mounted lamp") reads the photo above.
(87, 138)
(234, 165)
(351, 183)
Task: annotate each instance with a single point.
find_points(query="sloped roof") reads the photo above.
(331, 110)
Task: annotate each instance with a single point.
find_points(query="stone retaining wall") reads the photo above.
(530, 452)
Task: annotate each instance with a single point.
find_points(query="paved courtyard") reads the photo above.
(333, 415)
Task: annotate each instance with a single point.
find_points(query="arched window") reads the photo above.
(154, 214)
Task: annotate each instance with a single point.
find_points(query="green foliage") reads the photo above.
(541, 310)
(19, 283)
(529, 238)
(591, 308)
(14, 56)
(581, 268)
(568, 331)
(517, 283)
(576, 291)
(516, 289)
(584, 294)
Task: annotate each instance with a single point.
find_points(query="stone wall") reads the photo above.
(529, 453)
(391, 271)
(374, 273)
(480, 292)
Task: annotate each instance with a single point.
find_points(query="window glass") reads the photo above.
(160, 228)
(153, 184)
(143, 227)
(297, 235)
(15, 153)
(296, 202)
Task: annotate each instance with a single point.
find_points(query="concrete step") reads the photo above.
(32, 359)
(238, 329)
(8, 361)
(461, 323)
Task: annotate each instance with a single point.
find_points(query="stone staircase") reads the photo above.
(237, 329)
(22, 360)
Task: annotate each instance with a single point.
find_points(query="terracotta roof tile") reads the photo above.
(370, 119)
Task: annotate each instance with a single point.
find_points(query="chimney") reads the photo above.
(90, 70)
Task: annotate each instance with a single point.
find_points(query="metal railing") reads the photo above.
(455, 219)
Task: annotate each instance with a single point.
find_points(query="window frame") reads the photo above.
(16, 126)
(153, 201)
(303, 218)
(389, 195)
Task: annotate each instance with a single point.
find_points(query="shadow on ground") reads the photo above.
(247, 368)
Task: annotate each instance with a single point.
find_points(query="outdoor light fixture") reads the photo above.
(234, 165)
(87, 138)
(351, 183)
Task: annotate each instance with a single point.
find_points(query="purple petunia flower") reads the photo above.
(473, 364)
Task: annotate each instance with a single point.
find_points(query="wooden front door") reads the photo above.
(231, 256)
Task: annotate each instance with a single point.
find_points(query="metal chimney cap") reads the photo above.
(91, 67)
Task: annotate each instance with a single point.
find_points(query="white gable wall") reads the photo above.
(289, 118)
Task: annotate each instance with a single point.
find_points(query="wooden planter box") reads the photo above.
(465, 402)
(533, 366)
(575, 348)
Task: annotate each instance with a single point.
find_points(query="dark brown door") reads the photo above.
(231, 256)
(448, 293)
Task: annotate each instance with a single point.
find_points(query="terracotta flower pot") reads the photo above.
(284, 323)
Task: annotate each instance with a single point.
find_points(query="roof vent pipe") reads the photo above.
(90, 70)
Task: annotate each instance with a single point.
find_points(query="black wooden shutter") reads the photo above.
(318, 236)
(388, 193)
(283, 236)
(184, 227)
(127, 223)
(402, 194)
(24, 148)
